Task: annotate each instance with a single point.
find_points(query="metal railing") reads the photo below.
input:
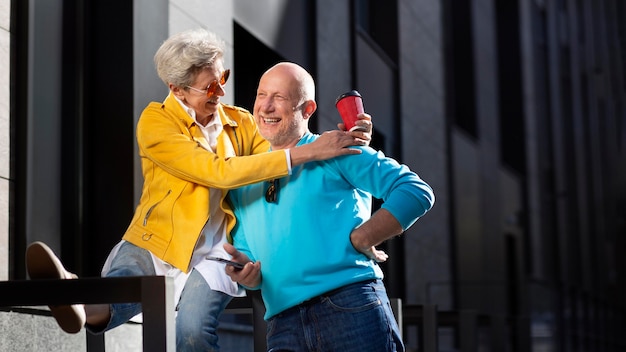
(155, 293)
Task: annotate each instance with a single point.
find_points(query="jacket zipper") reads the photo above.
(145, 219)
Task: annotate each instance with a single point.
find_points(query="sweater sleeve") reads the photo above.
(405, 195)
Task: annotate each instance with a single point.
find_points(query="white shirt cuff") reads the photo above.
(288, 154)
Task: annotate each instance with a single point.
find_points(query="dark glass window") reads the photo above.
(511, 114)
(379, 20)
(459, 64)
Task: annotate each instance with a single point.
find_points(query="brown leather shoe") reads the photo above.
(42, 263)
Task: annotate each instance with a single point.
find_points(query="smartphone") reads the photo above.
(226, 261)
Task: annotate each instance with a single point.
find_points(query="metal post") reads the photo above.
(95, 343)
(157, 305)
(396, 307)
(429, 339)
(468, 331)
(260, 325)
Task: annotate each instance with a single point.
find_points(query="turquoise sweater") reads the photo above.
(303, 240)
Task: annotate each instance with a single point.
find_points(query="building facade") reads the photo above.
(513, 111)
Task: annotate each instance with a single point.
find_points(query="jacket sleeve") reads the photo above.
(165, 140)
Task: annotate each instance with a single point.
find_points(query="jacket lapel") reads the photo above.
(225, 146)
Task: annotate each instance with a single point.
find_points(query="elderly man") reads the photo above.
(308, 238)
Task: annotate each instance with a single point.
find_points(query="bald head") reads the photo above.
(299, 79)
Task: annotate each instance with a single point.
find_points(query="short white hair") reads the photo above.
(183, 55)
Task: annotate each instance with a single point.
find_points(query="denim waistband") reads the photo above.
(317, 299)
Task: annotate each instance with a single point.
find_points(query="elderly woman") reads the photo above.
(193, 149)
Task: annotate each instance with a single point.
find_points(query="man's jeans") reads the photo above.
(357, 317)
(198, 309)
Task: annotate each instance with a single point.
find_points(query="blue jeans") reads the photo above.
(199, 307)
(356, 317)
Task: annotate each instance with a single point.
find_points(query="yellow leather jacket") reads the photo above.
(178, 170)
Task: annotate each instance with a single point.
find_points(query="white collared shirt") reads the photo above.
(213, 237)
(211, 240)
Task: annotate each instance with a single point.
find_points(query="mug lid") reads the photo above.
(347, 94)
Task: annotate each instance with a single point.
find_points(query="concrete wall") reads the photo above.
(424, 149)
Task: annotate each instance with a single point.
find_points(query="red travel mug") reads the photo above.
(350, 104)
